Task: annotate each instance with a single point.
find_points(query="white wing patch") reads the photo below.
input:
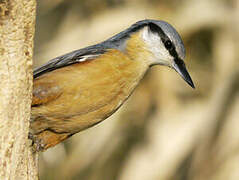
(87, 57)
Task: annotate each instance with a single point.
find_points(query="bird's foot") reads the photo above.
(37, 144)
(46, 139)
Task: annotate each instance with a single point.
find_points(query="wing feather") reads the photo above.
(77, 56)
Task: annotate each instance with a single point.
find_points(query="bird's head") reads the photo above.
(166, 47)
(161, 40)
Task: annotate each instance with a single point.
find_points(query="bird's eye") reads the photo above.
(168, 44)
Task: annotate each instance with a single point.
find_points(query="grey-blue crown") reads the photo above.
(173, 36)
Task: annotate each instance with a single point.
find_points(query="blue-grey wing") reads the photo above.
(73, 57)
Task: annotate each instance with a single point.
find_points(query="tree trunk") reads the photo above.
(17, 25)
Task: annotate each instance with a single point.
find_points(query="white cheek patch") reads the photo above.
(156, 47)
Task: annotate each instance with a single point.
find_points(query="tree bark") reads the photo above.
(17, 26)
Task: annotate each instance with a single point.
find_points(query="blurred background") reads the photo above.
(166, 130)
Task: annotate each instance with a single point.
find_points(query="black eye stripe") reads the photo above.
(156, 29)
(173, 52)
(165, 39)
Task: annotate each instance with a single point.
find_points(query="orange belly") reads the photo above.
(73, 98)
(83, 94)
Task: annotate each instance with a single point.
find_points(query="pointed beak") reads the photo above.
(180, 68)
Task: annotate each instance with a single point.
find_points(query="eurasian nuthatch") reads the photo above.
(82, 88)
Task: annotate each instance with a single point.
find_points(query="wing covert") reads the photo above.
(77, 56)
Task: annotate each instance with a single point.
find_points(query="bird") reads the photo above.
(82, 88)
